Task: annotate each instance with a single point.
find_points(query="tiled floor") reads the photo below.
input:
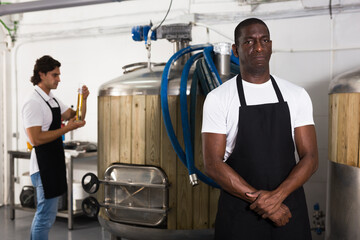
(19, 228)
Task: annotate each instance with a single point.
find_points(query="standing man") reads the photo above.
(42, 114)
(250, 124)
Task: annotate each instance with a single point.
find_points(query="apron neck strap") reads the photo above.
(46, 101)
(240, 89)
(277, 90)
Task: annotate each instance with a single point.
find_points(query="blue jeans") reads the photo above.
(45, 212)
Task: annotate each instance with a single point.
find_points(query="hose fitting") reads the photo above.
(193, 179)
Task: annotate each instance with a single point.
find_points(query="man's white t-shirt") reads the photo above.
(35, 112)
(221, 106)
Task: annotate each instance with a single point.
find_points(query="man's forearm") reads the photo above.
(229, 180)
(305, 139)
(298, 176)
(269, 201)
(41, 137)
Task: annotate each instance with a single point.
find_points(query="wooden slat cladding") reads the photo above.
(184, 188)
(201, 195)
(104, 124)
(131, 130)
(125, 128)
(168, 162)
(153, 130)
(138, 130)
(344, 128)
(103, 147)
(333, 122)
(114, 151)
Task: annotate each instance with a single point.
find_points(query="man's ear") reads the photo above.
(41, 75)
(235, 51)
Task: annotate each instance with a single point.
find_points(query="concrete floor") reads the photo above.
(84, 227)
(19, 228)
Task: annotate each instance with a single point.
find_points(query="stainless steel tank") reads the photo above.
(343, 191)
(131, 131)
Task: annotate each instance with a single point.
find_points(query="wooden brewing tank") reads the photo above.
(343, 193)
(344, 120)
(131, 130)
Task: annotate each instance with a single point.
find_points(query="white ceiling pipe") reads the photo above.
(34, 6)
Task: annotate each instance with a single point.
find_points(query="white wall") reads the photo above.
(308, 50)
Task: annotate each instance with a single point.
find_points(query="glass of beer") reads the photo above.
(79, 104)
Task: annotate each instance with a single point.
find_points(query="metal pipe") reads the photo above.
(4, 171)
(178, 45)
(34, 6)
(222, 53)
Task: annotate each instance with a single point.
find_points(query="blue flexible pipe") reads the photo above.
(184, 113)
(193, 96)
(210, 63)
(166, 114)
(234, 59)
(164, 99)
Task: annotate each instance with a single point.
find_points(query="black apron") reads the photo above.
(51, 160)
(263, 156)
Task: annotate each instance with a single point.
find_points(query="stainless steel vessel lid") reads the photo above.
(143, 82)
(348, 82)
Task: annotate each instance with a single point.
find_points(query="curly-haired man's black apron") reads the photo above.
(263, 156)
(51, 160)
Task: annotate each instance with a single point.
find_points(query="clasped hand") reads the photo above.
(269, 204)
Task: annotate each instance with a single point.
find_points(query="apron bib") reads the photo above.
(51, 160)
(264, 157)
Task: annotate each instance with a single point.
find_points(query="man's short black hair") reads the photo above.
(245, 23)
(44, 64)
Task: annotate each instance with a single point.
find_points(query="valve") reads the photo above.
(90, 207)
(318, 221)
(140, 33)
(90, 183)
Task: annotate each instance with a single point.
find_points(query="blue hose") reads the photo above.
(210, 63)
(234, 59)
(184, 113)
(193, 96)
(166, 114)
